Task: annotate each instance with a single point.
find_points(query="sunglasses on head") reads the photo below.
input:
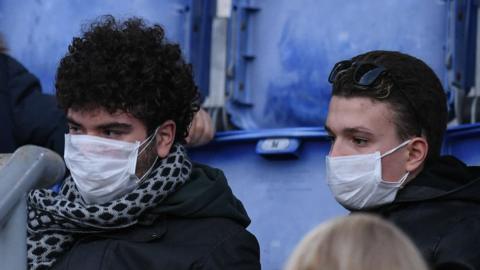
(366, 75)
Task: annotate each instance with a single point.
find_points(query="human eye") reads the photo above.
(112, 133)
(74, 129)
(359, 141)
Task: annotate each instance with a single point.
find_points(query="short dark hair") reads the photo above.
(412, 90)
(131, 67)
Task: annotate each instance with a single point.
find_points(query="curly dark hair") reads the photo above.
(412, 90)
(131, 67)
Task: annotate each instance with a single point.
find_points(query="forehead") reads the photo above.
(354, 112)
(100, 116)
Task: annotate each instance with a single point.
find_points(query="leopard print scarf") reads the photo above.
(57, 220)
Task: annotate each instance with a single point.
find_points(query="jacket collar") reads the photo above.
(413, 193)
(447, 178)
(140, 233)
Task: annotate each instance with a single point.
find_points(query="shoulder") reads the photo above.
(206, 174)
(213, 242)
(231, 247)
(200, 169)
(11, 66)
(212, 231)
(170, 243)
(440, 228)
(459, 245)
(433, 218)
(16, 76)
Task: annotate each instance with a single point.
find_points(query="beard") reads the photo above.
(146, 159)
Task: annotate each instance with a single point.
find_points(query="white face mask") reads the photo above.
(356, 180)
(103, 169)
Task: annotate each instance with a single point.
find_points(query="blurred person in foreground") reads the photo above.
(134, 200)
(358, 241)
(387, 119)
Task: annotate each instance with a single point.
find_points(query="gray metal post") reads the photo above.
(13, 234)
(215, 101)
(28, 168)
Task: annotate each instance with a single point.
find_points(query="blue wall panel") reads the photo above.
(38, 32)
(281, 51)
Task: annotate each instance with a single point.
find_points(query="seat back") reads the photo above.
(279, 177)
(463, 142)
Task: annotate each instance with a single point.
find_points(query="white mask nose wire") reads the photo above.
(395, 149)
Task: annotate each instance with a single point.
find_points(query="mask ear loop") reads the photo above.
(404, 177)
(395, 149)
(147, 142)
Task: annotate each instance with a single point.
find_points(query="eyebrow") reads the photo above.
(71, 121)
(352, 130)
(112, 125)
(116, 125)
(357, 130)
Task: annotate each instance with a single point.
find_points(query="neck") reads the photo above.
(414, 174)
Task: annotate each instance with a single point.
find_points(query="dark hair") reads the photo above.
(131, 67)
(412, 90)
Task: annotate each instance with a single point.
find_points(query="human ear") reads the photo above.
(417, 153)
(165, 138)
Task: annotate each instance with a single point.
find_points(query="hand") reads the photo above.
(202, 130)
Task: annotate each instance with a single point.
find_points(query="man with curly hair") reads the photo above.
(133, 199)
(27, 116)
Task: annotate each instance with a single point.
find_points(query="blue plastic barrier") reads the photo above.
(278, 175)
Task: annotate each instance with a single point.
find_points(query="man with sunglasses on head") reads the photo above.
(134, 200)
(387, 118)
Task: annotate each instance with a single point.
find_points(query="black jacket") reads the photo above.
(26, 115)
(440, 211)
(201, 226)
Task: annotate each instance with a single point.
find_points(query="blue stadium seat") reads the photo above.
(463, 142)
(278, 175)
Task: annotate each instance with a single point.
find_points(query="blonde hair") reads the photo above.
(358, 241)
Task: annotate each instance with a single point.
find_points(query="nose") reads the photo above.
(93, 132)
(336, 149)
